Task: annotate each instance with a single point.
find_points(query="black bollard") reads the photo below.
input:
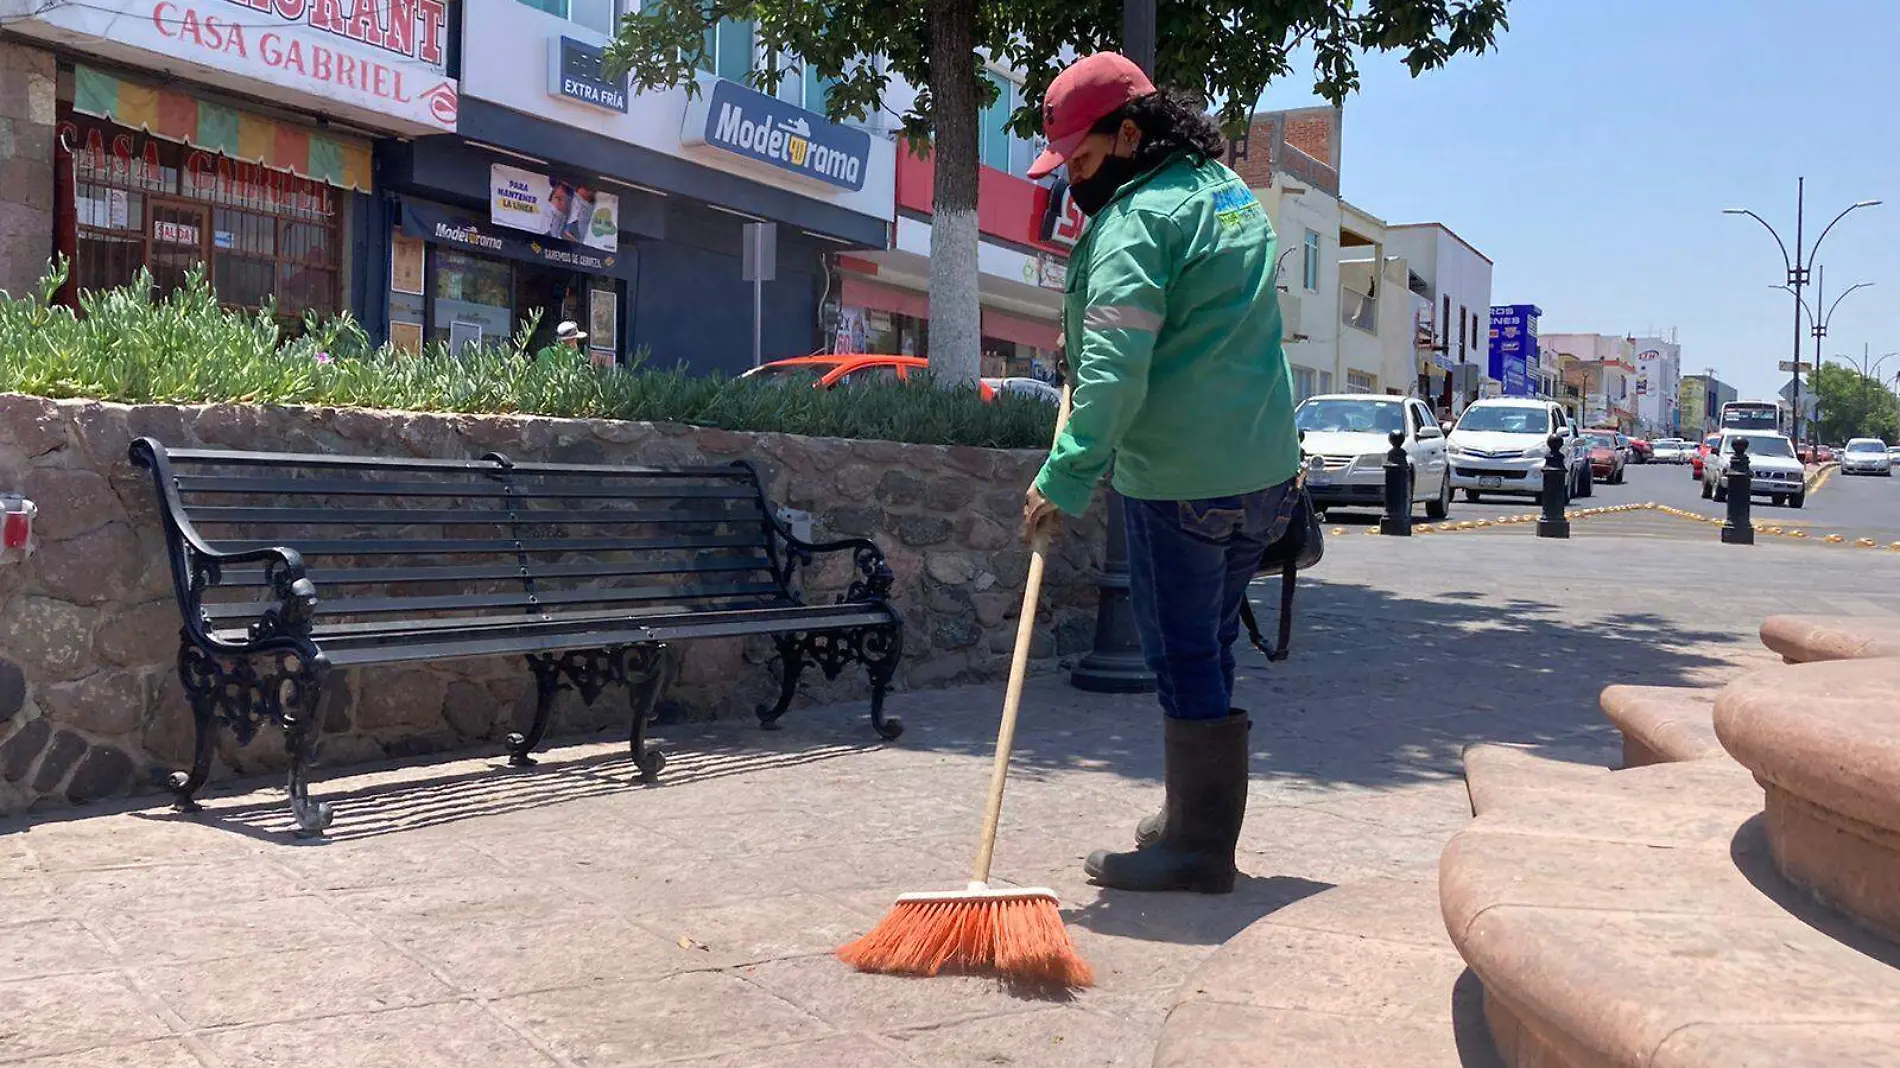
(1397, 520)
(1738, 529)
(1553, 523)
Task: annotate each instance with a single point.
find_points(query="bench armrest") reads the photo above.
(197, 567)
(875, 575)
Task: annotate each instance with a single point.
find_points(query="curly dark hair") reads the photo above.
(1169, 124)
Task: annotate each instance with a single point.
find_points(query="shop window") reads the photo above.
(995, 144)
(1325, 381)
(728, 50)
(1302, 383)
(601, 16)
(167, 207)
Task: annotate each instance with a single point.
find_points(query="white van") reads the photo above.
(1500, 443)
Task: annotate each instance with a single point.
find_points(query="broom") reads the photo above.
(1017, 933)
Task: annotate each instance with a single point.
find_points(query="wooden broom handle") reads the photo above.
(1013, 694)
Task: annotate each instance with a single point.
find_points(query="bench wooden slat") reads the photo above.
(221, 515)
(347, 576)
(443, 546)
(370, 606)
(330, 487)
(332, 461)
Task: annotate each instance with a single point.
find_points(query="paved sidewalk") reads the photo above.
(467, 915)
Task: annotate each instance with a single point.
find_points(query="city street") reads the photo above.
(1856, 506)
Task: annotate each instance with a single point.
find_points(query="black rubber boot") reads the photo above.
(1207, 800)
(1148, 831)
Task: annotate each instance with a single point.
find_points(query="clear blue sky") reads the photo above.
(1591, 153)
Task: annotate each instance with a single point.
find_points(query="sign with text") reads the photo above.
(553, 208)
(735, 119)
(1513, 347)
(574, 72)
(384, 58)
(445, 227)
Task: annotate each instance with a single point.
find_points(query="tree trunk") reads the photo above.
(955, 316)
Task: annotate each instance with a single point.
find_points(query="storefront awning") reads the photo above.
(241, 135)
(1022, 331)
(860, 293)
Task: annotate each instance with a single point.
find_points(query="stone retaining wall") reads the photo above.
(91, 706)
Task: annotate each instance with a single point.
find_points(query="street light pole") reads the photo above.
(1115, 663)
(1797, 268)
(1818, 324)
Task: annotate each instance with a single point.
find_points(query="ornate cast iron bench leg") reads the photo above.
(547, 686)
(880, 649)
(791, 654)
(203, 678)
(298, 695)
(648, 673)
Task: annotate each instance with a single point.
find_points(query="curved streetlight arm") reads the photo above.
(1815, 249)
(1785, 261)
(1829, 317)
(1786, 288)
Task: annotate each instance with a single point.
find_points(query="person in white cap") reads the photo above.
(569, 333)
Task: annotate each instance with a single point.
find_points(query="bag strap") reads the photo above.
(1288, 575)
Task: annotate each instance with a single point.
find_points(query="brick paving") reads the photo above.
(466, 914)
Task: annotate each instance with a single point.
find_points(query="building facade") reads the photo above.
(1514, 353)
(1454, 280)
(237, 138)
(1658, 385)
(656, 189)
(1601, 370)
(1290, 159)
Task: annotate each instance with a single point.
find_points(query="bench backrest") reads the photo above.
(388, 540)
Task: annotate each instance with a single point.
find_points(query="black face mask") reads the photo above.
(1093, 193)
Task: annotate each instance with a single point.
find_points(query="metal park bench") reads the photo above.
(587, 570)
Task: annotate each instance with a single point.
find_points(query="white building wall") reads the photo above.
(1659, 377)
(1311, 313)
(1451, 268)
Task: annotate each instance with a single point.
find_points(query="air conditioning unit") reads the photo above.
(1290, 318)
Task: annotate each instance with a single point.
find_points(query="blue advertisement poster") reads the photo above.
(1514, 347)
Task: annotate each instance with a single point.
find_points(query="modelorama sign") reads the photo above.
(384, 56)
(750, 124)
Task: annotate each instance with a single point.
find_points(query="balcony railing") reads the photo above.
(1359, 310)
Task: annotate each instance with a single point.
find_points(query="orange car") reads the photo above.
(825, 371)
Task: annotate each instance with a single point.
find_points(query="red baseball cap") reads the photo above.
(1087, 92)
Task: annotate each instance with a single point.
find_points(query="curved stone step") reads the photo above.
(1662, 724)
(1496, 772)
(1354, 976)
(1824, 741)
(1637, 921)
(1807, 639)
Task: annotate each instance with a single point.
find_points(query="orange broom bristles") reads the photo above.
(1016, 933)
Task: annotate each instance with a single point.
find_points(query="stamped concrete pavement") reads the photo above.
(466, 914)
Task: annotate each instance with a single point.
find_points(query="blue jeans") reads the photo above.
(1189, 563)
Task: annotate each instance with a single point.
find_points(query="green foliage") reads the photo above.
(185, 349)
(1852, 405)
(1227, 51)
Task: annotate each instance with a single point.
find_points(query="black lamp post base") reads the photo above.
(1115, 663)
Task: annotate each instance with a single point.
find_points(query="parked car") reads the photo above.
(825, 371)
(1866, 456)
(1345, 437)
(1606, 457)
(1701, 455)
(1825, 454)
(1671, 451)
(1641, 451)
(1893, 453)
(1028, 387)
(1499, 445)
(1778, 474)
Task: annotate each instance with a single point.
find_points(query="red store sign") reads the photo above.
(1008, 208)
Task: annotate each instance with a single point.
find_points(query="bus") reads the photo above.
(1767, 416)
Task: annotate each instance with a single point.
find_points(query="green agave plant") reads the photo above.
(132, 346)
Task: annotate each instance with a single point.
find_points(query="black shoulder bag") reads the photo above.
(1298, 548)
